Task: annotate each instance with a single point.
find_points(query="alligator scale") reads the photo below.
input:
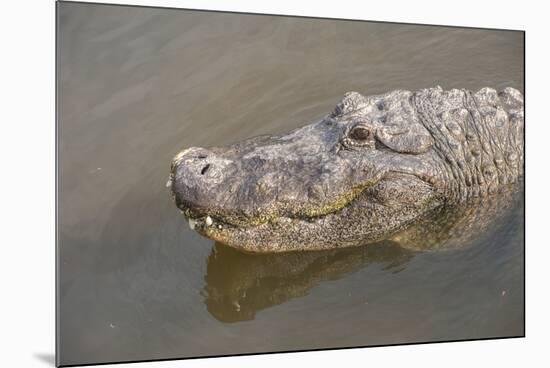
(378, 167)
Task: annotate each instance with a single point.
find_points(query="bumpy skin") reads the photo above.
(368, 171)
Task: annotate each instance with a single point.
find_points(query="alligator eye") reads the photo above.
(359, 133)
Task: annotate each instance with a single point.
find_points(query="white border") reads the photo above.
(27, 182)
(448, 13)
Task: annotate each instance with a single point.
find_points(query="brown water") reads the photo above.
(136, 85)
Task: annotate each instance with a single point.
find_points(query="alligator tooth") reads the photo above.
(237, 306)
(208, 221)
(220, 227)
(192, 224)
(169, 183)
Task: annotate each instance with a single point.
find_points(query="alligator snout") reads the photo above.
(197, 161)
(194, 158)
(196, 175)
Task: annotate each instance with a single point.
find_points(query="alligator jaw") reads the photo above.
(245, 236)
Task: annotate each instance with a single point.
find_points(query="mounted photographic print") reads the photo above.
(232, 183)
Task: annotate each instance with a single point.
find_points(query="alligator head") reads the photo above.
(361, 174)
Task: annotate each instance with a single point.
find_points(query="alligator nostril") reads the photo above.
(205, 169)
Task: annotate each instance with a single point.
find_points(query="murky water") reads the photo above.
(137, 85)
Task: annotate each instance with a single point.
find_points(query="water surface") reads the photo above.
(136, 85)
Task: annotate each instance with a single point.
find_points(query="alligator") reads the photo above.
(374, 168)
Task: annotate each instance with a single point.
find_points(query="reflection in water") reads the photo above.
(239, 284)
